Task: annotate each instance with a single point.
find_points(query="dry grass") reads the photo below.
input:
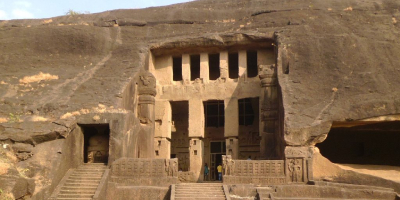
(3, 120)
(37, 78)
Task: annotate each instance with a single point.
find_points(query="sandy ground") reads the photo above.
(384, 171)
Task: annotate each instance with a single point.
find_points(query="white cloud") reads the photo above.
(3, 15)
(25, 4)
(21, 14)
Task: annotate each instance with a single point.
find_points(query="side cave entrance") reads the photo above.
(96, 143)
(363, 144)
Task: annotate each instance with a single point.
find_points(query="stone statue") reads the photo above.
(224, 165)
(230, 164)
(173, 167)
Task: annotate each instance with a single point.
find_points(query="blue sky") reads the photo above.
(28, 9)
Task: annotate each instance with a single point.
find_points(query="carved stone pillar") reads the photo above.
(196, 153)
(269, 111)
(145, 110)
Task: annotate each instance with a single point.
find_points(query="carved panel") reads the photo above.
(260, 168)
(249, 139)
(295, 169)
(145, 167)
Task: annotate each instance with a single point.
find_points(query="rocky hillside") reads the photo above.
(340, 62)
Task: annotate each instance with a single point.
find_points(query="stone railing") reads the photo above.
(253, 171)
(144, 171)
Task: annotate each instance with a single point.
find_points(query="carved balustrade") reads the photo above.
(253, 171)
(144, 171)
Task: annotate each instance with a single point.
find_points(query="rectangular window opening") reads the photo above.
(252, 68)
(194, 67)
(214, 113)
(213, 63)
(233, 63)
(177, 68)
(246, 111)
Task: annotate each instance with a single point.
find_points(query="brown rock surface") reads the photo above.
(340, 62)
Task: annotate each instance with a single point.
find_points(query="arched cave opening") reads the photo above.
(96, 143)
(363, 143)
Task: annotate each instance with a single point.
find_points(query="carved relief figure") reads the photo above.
(295, 170)
(298, 170)
(173, 167)
(230, 164)
(224, 165)
(167, 167)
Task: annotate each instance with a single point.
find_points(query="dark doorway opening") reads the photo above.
(233, 63)
(217, 149)
(213, 65)
(177, 68)
(363, 142)
(180, 134)
(194, 67)
(252, 68)
(96, 143)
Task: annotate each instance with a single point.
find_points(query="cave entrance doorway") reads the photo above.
(96, 143)
(366, 143)
(180, 134)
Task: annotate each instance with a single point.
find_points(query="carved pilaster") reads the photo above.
(145, 109)
(269, 111)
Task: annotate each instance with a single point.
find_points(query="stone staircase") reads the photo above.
(198, 191)
(80, 183)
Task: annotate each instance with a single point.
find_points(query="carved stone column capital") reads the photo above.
(147, 84)
(267, 75)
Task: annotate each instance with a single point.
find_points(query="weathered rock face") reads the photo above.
(337, 60)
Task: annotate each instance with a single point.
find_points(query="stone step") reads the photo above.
(200, 188)
(201, 198)
(84, 177)
(77, 192)
(89, 170)
(79, 187)
(79, 184)
(308, 198)
(199, 191)
(66, 198)
(87, 173)
(75, 196)
(201, 194)
(84, 182)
